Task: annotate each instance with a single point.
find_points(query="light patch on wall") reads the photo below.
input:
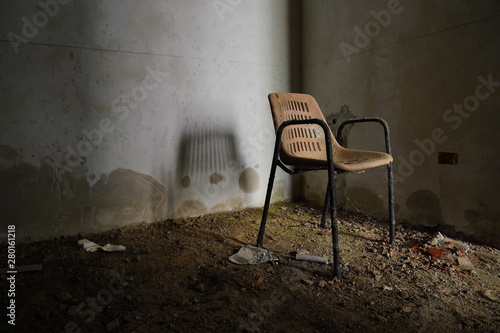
(249, 180)
(228, 205)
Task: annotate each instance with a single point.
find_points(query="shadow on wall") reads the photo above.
(124, 197)
(479, 225)
(485, 222)
(210, 174)
(43, 203)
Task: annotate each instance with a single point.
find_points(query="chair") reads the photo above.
(305, 142)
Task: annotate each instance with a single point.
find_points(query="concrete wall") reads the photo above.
(116, 112)
(427, 68)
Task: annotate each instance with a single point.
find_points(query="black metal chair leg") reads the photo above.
(335, 232)
(392, 222)
(331, 185)
(260, 237)
(326, 206)
(333, 211)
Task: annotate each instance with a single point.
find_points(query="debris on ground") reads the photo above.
(306, 257)
(90, 246)
(176, 277)
(251, 255)
(441, 241)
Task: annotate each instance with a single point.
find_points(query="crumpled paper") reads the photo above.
(251, 255)
(90, 246)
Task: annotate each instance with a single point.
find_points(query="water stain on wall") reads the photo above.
(425, 208)
(45, 202)
(216, 178)
(185, 181)
(249, 180)
(338, 118)
(8, 157)
(126, 196)
(40, 201)
(190, 208)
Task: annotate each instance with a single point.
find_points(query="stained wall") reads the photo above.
(431, 70)
(118, 112)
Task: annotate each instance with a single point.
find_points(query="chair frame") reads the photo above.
(330, 201)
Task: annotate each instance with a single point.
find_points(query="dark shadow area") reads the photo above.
(175, 276)
(295, 10)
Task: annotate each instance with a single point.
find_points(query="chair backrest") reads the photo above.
(302, 145)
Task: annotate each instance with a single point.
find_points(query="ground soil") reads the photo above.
(175, 276)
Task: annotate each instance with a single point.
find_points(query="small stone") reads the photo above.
(406, 309)
(488, 294)
(112, 325)
(465, 262)
(322, 284)
(307, 282)
(380, 318)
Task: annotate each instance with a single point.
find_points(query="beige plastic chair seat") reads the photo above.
(303, 146)
(343, 159)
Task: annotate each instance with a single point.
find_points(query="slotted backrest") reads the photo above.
(300, 144)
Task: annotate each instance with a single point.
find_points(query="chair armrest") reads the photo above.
(366, 120)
